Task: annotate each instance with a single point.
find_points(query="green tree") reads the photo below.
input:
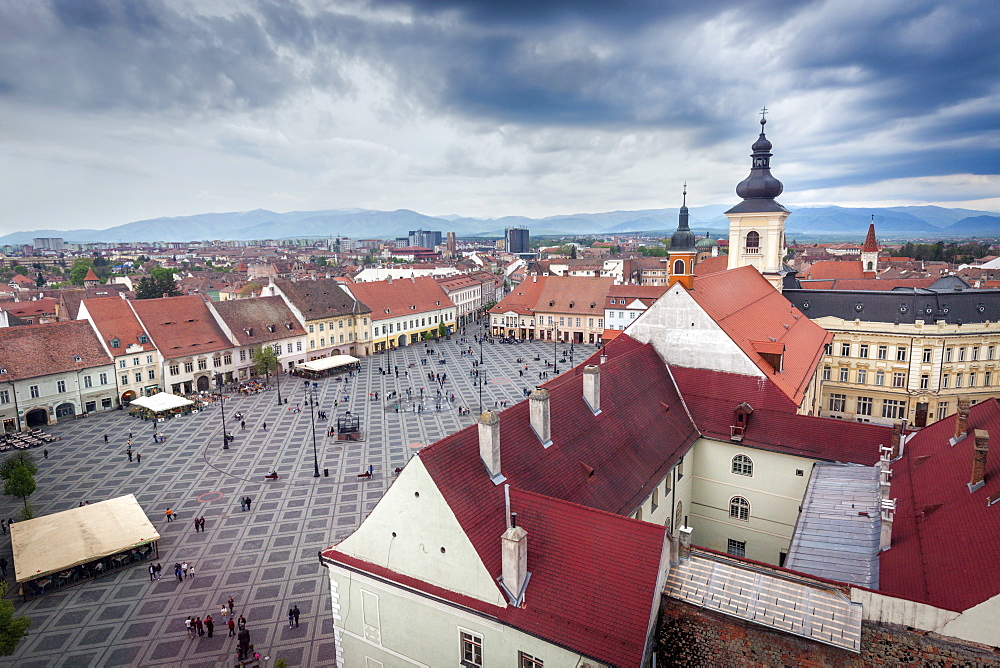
(319, 261)
(265, 361)
(40, 280)
(21, 458)
(20, 483)
(442, 328)
(249, 289)
(12, 628)
(21, 269)
(151, 287)
(79, 270)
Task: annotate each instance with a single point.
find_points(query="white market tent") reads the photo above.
(327, 363)
(160, 402)
(59, 541)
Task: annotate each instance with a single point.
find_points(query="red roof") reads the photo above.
(401, 296)
(181, 326)
(710, 265)
(91, 276)
(523, 298)
(593, 576)
(870, 245)
(114, 319)
(749, 309)
(835, 269)
(945, 540)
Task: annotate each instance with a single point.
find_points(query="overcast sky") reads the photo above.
(119, 110)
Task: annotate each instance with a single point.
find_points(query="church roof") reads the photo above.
(870, 245)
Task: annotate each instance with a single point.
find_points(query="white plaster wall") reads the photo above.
(774, 492)
(424, 524)
(414, 630)
(979, 624)
(684, 335)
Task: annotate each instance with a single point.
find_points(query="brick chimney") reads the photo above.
(962, 421)
(592, 387)
(979, 452)
(897, 431)
(489, 444)
(514, 554)
(539, 409)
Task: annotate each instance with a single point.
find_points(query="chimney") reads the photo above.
(514, 549)
(592, 387)
(539, 408)
(962, 421)
(489, 444)
(982, 448)
(885, 534)
(685, 536)
(897, 431)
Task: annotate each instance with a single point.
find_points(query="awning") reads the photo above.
(162, 401)
(326, 363)
(76, 536)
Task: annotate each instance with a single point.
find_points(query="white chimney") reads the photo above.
(685, 538)
(592, 387)
(888, 511)
(539, 409)
(489, 444)
(514, 547)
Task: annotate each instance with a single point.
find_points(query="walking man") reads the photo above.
(291, 618)
(197, 524)
(243, 424)
(152, 572)
(230, 603)
(3, 566)
(295, 614)
(45, 453)
(209, 625)
(138, 458)
(184, 568)
(159, 568)
(248, 503)
(232, 627)
(170, 515)
(128, 451)
(3, 525)
(242, 623)
(264, 426)
(105, 438)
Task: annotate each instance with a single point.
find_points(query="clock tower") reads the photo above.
(757, 224)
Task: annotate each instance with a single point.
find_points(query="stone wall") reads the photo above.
(691, 636)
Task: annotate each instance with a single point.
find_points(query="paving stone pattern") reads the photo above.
(266, 559)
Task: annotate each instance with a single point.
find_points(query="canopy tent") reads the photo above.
(327, 363)
(60, 541)
(160, 402)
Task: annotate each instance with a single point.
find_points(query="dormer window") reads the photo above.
(116, 343)
(3, 369)
(143, 338)
(77, 358)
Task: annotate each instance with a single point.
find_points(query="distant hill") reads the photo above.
(836, 223)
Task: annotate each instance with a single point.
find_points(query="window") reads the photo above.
(678, 267)
(152, 374)
(60, 386)
(115, 343)
(188, 367)
(737, 548)
(143, 339)
(972, 379)
(135, 361)
(843, 375)
(33, 391)
(828, 349)
(942, 410)
(202, 365)
(961, 354)
(975, 353)
(900, 353)
(742, 465)
(322, 342)
(472, 648)
(880, 378)
(227, 358)
(217, 362)
(310, 329)
(862, 376)
(945, 380)
(298, 345)
(124, 379)
(288, 348)
(243, 356)
(927, 355)
(528, 661)
(958, 380)
(989, 352)
(864, 406)
(149, 359)
(90, 406)
(121, 363)
(138, 376)
(898, 379)
(845, 349)
(883, 352)
(654, 500)
(174, 369)
(739, 509)
(321, 325)
(893, 409)
(88, 381)
(826, 373)
(4, 397)
(106, 403)
(987, 377)
(925, 381)
(837, 402)
(863, 350)
(753, 242)
(947, 354)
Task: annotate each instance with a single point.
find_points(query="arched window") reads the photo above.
(742, 465)
(871, 266)
(753, 241)
(678, 267)
(739, 509)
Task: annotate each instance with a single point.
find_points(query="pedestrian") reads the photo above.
(170, 515)
(138, 458)
(203, 524)
(223, 611)
(188, 626)
(291, 618)
(130, 434)
(105, 438)
(242, 622)
(191, 572)
(232, 626)
(248, 503)
(209, 625)
(184, 568)
(243, 424)
(3, 524)
(128, 451)
(230, 602)
(295, 613)
(152, 572)
(197, 524)
(3, 566)
(159, 574)
(370, 469)
(45, 453)
(200, 625)
(264, 426)
(178, 573)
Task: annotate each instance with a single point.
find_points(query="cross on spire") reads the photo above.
(763, 112)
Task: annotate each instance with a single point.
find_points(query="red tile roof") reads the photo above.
(835, 269)
(114, 319)
(181, 326)
(259, 320)
(870, 245)
(522, 299)
(647, 294)
(945, 540)
(593, 576)
(712, 397)
(29, 352)
(401, 296)
(710, 265)
(749, 309)
(33, 308)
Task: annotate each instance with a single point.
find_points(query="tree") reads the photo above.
(319, 261)
(20, 269)
(79, 270)
(21, 458)
(265, 361)
(249, 289)
(40, 280)
(12, 628)
(442, 328)
(151, 287)
(20, 483)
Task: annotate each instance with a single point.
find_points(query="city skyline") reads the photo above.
(114, 112)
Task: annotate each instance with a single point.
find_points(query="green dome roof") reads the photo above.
(705, 243)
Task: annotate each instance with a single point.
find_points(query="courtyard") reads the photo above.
(265, 559)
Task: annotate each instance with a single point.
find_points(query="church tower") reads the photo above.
(757, 224)
(682, 251)
(869, 251)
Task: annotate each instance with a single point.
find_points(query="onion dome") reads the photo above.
(683, 238)
(760, 184)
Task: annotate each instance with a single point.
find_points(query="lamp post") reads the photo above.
(277, 378)
(480, 371)
(555, 354)
(222, 405)
(310, 399)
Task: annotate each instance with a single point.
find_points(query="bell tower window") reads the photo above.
(678, 267)
(753, 242)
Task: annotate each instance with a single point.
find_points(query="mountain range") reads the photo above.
(829, 222)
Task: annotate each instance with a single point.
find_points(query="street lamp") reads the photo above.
(222, 405)
(555, 361)
(312, 418)
(277, 378)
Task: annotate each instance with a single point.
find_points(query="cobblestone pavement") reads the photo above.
(266, 559)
